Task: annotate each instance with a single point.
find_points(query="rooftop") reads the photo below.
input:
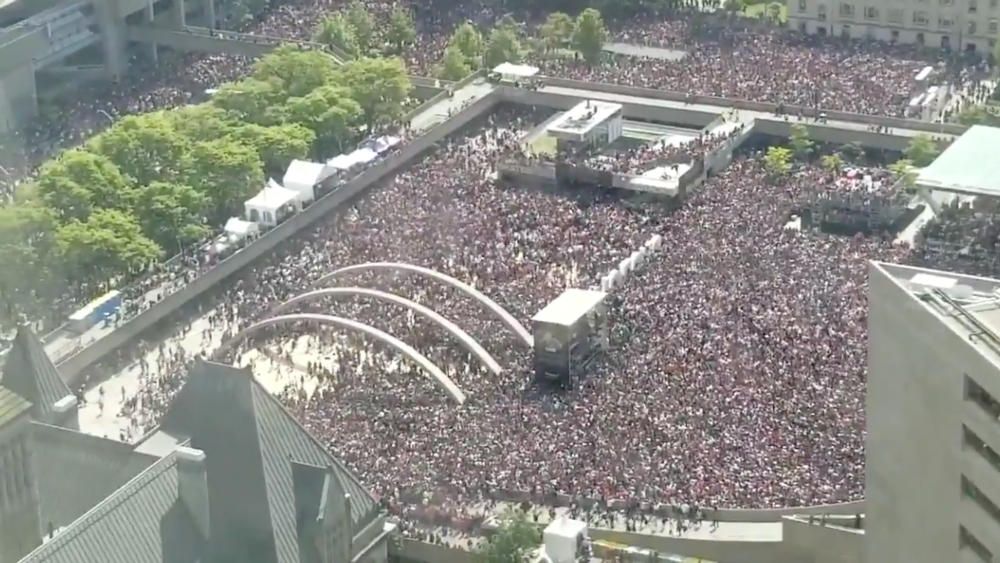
(584, 116)
(971, 301)
(968, 166)
(12, 405)
(567, 309)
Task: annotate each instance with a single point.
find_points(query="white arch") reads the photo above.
(468, 342)
(439, 376)
(492, 305)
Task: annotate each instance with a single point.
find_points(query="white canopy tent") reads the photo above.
(271, 205)
(240, 229)
(303, 176)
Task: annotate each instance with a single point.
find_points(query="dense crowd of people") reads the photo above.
(737, 370)
(736, 376)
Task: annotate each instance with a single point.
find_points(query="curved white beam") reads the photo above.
(492, 305)
(439, 376)
(468, 342)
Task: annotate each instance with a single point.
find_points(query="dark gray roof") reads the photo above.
(251, 443)
(30, 373)
(76, 471)
(142, 522)
(12, 405)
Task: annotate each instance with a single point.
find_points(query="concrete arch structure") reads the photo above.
(467, 341)
(508, 319)
(430, 367)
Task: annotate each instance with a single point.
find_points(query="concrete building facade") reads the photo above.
(933, 408)
(970, 25)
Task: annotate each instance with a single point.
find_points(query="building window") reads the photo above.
(972, 492)
(993, 26)
(846, 10)
(968, 541)
(821, 12)
(973, 6)
(920, 17)
(802, 5)
(895, 15)
(871, 13)
(972, 28)
(945, 22)
(973, 392)
(993, 3)
(845, 31)
(947, 2)
(971, 441)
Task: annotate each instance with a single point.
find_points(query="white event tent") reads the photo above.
(271, 205)
(303, 176)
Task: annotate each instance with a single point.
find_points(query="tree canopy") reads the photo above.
(155, 183)
(512, 542)
(589, 35)
(922, 150)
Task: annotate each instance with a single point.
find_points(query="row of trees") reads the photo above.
(778, 160)
(356, 32)
(468, 51)
(153, 184)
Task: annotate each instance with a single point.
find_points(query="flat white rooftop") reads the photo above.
(583, 118)
(569, 307)
(969, 166)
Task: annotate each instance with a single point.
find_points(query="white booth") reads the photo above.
(303, 177)
(271, 205)
(591, 122)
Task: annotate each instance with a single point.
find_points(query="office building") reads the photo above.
(933, 409)
(970, 25)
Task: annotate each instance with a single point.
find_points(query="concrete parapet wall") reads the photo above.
(414, 550)
(892, 122)
(680, 116)
(72, 366)
(816, 543)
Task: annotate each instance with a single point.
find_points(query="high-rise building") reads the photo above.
(933, 417)
(969, 25)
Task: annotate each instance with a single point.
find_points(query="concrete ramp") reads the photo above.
(204, 40)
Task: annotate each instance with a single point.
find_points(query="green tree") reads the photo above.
(852, 151)
(172, 215)
(469, 43)
(557, 31)
(513, 541)
(202, 122)
(401, 31)
(361, 23)
(226, 172)
(278, 145)
(78, 182)
(802, 146)
(454, 65)
(27, 240)
(337, 31)
(778, 161)
(330, 113)
(905, 173)
(502, 47)
(734, 7)
(379, 86)
(144, 147)
(774, 11)
(832, 163)
(922, 150)
(108, 244)
(251, 100)
(296, 71)
(590, 35)
(978, 115)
